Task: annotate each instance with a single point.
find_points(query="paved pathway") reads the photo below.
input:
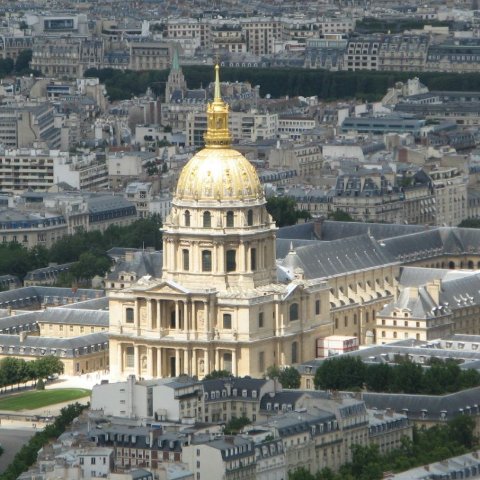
(12, 439)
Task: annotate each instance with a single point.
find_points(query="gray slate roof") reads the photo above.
(430, 406)
(326, 259)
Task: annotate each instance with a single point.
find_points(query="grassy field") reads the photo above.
(41, 398)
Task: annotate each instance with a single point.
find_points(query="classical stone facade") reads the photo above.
(218, 304)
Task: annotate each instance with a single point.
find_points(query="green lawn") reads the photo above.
(41, 398)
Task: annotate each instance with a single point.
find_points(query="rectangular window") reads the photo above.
(186, 259)
(227, 321)
(260, 320)
(129, 357)
(231, 264)
(317, 307)
(129, 315)
(206, 261)
(253, 259)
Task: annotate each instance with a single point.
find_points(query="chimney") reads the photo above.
(22, 336)
(413, 292)
(433, 289)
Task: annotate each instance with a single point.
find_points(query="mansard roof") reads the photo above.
(326, 259)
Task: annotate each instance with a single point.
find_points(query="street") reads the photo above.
(12, 439)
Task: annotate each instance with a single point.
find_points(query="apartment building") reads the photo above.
(292, 127)
(26, 126)
(402, 53)
(450, 193)
(149, 55)
(12, 45)
(363, 53)
(188, 28)
(261, 34)
(39, 170)
(432, 304)
(228, 37)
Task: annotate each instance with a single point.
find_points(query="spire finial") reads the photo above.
(217, 97)
(218, 134)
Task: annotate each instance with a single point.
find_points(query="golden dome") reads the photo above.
(218, 172)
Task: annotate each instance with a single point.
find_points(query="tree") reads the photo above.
(289, 378)
(341, 373)
(378, 377)
(461, 430)
(47, 366)
(283, 210)
(236, 424)
(22, 64)
(470, 223)
(217, 374)
(340, 216)
(89, 265)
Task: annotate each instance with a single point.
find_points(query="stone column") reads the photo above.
(194, 362)
(137, 313)
(205, 315)
(207, 362)
(186, 326)
(159, 316)
(242, 267)
(186, 358)
(177, 362)
(234, 362)
(159, 362)
(177, 315)
(149, 314)
(136, 360)
(120, 364)
(150, 362)
(217, 359)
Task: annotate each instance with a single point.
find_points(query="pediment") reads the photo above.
(167, 287)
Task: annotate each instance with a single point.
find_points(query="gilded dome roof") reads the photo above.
(219, 174)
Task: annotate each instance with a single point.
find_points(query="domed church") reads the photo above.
(221, 302)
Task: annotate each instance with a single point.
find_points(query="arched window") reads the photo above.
(227, 321)
(230, 219)
(451, 265)
(317, 307)
(187, 218)
(186, 259)
(231, 264)
(293, 313)
(129, 315)
(206, 261)
(294, 352)
(207, 219)
(470, 265)
(250, 218)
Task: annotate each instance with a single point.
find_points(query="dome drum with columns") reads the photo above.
(219, 304)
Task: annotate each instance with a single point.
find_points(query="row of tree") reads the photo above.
(27, 455)
(279, 82)
(87, 249)
(16, 371)
(436, 378)
(427, 446)
(21, 66)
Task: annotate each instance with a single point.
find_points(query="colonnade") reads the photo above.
(168, 361)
